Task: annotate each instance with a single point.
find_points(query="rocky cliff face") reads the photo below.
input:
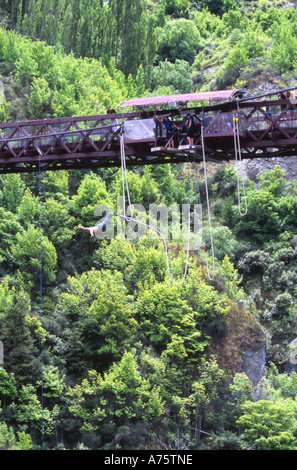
(254, 361)
(252, 168)
(243, 347)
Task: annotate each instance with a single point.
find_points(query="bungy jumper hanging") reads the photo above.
(99, 226)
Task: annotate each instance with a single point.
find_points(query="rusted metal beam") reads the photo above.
(266, 128)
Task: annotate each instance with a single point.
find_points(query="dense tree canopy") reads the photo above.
(130, 360)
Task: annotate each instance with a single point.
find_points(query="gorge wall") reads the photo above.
(251, 168)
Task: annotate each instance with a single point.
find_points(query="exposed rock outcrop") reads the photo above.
(254, 361)
(291, 362)
(243, 348)
(252, 168)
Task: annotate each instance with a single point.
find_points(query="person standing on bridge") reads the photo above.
(143, 114)
(113, 121)
(158, 121)
(190, 125)
(282, 96)
(110, 110)
(169, 126)
(289, 96)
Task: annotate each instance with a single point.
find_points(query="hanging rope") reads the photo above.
(41, 296)
(208, 206)
(125, 187)
(124, 177)
(200, 202)
(237, 149)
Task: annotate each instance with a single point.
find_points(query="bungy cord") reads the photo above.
(208, 206)
(130, 218)
(237, 149)
(41, 295)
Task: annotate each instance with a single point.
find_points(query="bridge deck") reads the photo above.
(266, 128)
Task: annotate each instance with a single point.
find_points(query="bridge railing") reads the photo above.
(274, 113)
(21, 138)
(216, 124)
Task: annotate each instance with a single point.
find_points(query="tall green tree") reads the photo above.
(269, 425)
(10, 226)
(91, 192)
(26, 257)
(21, 359)
(262, 221)
(38, 101)
(12, 191)
(109, 404)
(101, 318)
(179, 39)
(168, 324)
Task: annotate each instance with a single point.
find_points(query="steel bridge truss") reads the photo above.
(266, 128)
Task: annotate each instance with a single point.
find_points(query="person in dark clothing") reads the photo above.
(143, 114)
(169, 126)
(190, 125)
(289, 96)
(110, 110)
(158, 121)
(282, 96)
(113, 122)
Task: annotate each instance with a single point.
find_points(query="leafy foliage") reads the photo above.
(130, 360)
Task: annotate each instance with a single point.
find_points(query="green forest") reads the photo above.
(106, 353)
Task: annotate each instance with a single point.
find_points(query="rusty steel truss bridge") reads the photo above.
(266, 127)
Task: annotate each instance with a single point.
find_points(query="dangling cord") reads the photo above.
(41, 299)
(237, 150)
(125, 178)
(200, 202)
(208, 205)
(130, 218)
